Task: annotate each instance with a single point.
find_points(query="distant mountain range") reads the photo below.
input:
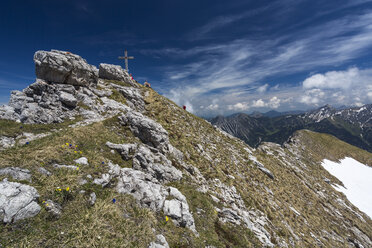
(352, 125)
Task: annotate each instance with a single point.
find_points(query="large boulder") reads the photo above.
(64, 67)
(146, 129)
(114, 72)
(17, 201)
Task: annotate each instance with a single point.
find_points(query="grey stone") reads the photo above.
(81, 161)
(149, 131)
(160, 242)
(16, 173)
(44, 171)
(64, 67)
(17, 201)
(68, 99)
(267, 172)
(114, 72)
(104, 181)
(126, 150)
(155, 164)
(62, 166)
(6, 142)
(92, 198)
(151, 194)
(53, 208)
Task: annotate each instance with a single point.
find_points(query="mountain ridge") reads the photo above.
(128, 167)
(353, 125)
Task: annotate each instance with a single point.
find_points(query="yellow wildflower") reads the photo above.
(81, 152)
(68, 188)
(67, 144)
(47, 204)
(63, 146)
(77, 168)
(75, 151)
(43, 202)
(59, 189)
(166, 218)
(76, 146)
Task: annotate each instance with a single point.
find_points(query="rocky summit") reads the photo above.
(91, 158)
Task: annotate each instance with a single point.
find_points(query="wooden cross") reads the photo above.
(126, 59)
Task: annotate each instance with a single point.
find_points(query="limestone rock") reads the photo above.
(64, 67)
(16, 173)
(114, 72)
(6, 142)
(126, 150)
(149, 131)
(53, 208)
(151, 194)
(267, 172)
(155, 164)
(92, 198)
(81, 161)
(17, 201)
(160, 242)
(44, 171)
(62, 166)
(68, 99)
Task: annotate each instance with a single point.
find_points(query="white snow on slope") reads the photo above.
(357, 179)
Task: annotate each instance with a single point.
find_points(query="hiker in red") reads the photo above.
(184, 107)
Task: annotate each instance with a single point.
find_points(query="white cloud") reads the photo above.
(240, 106)
(262, 88)
(370, 95)
(258, 103)
(212, 107)
(312, 97)
(242, 63)
(274, 103)
(338, 79)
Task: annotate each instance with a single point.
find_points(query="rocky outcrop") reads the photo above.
(65, 68)
(16, 173)
(160, 242)
(146, 129)
(115, 72)
(149, 160)
(53, 208)
(17, 201)
(151, 194)
(6, 142)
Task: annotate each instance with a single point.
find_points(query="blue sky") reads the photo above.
(216, 57)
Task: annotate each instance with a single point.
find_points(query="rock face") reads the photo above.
(65, 68)
(149, 131)
(6, 142)
(53, 208)
(149, 160)
(114, 72)
(17, 201)
(16, 173)
(151, 194)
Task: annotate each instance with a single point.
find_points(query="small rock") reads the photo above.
(68, 99)
(61, 166)
(82, 161)
(92, 198)
(53, 208)
(160, 242)
(44, 171)
(16, 173)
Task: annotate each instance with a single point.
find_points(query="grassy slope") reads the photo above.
(105, 225)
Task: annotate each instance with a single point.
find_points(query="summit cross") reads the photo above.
(126, 59)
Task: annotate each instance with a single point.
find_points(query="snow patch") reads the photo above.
(356, 178)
